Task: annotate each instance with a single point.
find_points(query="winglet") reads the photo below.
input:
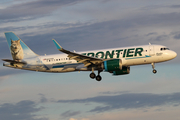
(57, 45)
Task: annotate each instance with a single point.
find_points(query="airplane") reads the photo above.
(116, 61)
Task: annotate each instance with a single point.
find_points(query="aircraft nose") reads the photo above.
(173, 54)
(169, 55)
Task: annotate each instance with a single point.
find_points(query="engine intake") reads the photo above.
(113, 65)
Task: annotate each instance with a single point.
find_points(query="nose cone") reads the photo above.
(169, 55)
(173, 54)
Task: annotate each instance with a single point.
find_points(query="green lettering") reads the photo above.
(109, 54)
(124, 54)
(138, 51)
(90, 54)
(102, 54)
(129, 52)
(118, 52)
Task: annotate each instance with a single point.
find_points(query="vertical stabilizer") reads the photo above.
(19, 50)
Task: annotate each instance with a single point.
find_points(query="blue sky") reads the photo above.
(86, 25)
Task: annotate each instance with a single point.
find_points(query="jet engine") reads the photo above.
(112, 65)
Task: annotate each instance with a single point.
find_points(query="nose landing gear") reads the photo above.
(154, 70)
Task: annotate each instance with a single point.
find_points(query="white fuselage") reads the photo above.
(116, 60)
(135, 55)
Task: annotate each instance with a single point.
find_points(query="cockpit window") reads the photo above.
(164, 49)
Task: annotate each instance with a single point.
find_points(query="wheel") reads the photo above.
(92, 75)
(98, 78)
(154, 71)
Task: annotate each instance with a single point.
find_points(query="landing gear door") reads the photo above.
(151, 50)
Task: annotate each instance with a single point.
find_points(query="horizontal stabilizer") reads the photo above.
(14, 62)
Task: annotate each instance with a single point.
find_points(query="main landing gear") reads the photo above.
(93, 75)
(154, 70)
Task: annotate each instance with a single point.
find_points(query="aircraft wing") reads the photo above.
(86, 60)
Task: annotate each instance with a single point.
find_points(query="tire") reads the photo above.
(92, 75)
(154, 71)
(98, 78)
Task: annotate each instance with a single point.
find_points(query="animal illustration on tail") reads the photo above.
(16, 50)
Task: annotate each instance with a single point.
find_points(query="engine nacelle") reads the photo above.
(112, 65)
(125, 70)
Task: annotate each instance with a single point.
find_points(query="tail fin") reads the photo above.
(19, 50)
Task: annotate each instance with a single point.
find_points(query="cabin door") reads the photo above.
(151, 50)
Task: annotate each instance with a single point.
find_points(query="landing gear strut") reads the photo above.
(154, 70)
(98, 77)
(92, 75)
